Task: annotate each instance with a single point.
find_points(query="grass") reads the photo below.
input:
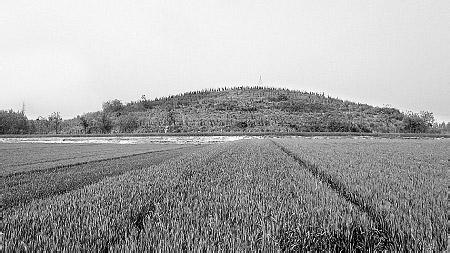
(284, 194)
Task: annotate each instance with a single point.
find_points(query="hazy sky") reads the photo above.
(70, 56)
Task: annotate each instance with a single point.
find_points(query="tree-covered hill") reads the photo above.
(249, 109)
(238, 109)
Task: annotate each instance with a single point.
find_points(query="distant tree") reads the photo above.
(171, 118)
(13, 122)
(84, 123)
(418, 123)
(427, 117)
(113, 106)
(31, 127)
(145, 102)
(55, 121)
(41, 125)
(106, 124)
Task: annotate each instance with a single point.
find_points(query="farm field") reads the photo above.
(289, 194)
(19, 158)
(45, 181)
(401, 182)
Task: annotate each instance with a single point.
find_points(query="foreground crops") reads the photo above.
(235, 196)
(243, 196)
(402, 183)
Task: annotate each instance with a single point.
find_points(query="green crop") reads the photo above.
(20, 188)
(253, 195)
(19, 158)
(403, 183)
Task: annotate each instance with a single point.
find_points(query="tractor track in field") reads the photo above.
(67, 166)
(394, 238)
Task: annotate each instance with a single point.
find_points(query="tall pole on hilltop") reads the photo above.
(260, 82)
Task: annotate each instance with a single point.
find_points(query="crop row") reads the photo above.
(22, 188)
(404, 181)
(240, 196)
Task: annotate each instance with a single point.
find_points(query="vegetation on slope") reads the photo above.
(238, 109)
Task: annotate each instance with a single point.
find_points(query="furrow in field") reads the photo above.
(354, 198)
(401, 181)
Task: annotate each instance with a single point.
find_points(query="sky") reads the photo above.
(70, 56)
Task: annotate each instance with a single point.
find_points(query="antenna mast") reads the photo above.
(260, 82)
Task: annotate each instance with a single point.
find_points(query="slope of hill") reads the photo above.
(238, 109)
(241, 109)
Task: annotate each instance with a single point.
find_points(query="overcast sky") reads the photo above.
(70, 56)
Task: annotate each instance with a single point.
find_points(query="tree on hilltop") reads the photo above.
(113, 106)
